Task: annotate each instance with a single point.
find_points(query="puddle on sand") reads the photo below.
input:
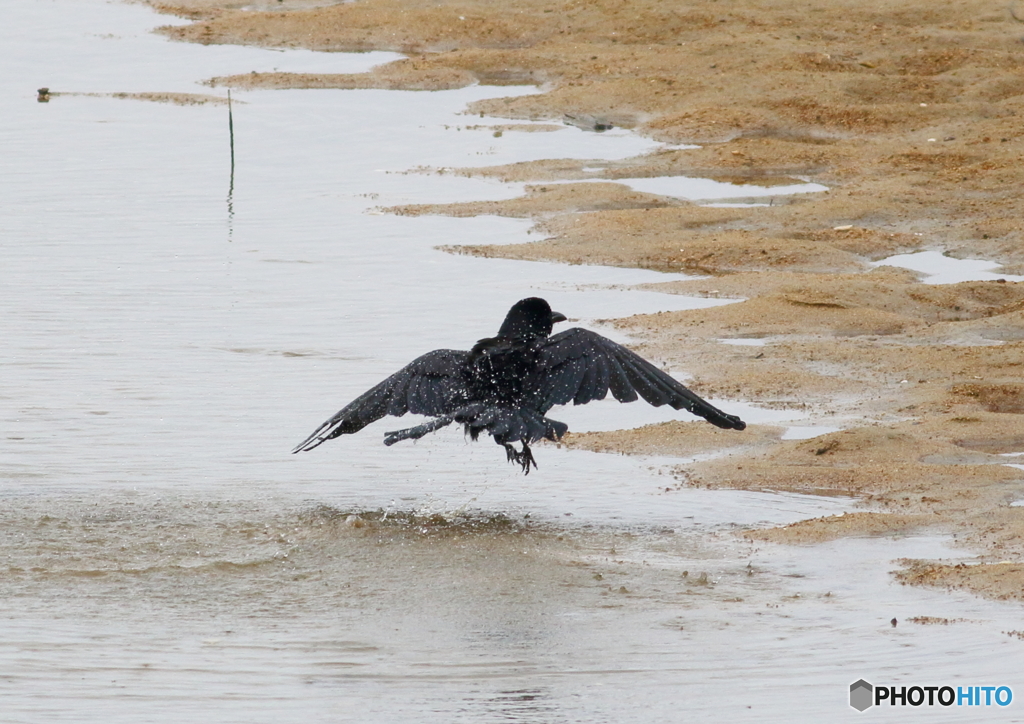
(705, 188)
(941, 269)
(744, 341)
(164, 558)
(805, 432)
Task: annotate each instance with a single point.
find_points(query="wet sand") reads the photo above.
(911, 117)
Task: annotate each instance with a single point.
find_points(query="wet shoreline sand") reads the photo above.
(910, 116)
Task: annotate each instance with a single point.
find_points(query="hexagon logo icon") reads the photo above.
(861, 695)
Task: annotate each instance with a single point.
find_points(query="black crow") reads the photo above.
(506, 384)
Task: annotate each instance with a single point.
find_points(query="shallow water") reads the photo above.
(699, 189)
(937, 268)
(164, 558)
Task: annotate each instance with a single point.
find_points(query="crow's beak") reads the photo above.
(558, 317)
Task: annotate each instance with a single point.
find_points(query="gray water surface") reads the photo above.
(169, 335)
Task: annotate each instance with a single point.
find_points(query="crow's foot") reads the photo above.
(523, 458)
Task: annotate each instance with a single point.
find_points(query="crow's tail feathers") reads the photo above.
(505, 425)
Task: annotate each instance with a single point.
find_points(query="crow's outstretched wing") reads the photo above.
(429, 385)
(580, 366)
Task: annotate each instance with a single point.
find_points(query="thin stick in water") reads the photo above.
(231, 180)
(231, 134)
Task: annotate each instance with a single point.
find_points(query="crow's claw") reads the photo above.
(523, 458)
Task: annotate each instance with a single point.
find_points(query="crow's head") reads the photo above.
(529, 318)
